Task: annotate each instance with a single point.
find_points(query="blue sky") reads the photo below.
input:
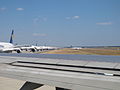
(61, 22)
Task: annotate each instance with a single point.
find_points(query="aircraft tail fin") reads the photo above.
(12, 35)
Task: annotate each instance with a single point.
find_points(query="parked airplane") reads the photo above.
(33, 48)
(42, 48)
(27, 48)
(9, 47)
(76, 48)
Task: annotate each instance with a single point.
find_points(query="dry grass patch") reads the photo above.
(85, 51)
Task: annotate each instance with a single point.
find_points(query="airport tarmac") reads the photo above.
(13, 84)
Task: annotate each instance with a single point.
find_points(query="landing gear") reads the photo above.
(18, 51)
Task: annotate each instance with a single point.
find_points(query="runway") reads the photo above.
(100, 58)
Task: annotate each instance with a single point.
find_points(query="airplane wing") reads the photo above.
(64, 74)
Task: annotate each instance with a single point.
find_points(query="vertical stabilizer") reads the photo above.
(11, 38)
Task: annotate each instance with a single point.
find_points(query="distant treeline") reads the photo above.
(92, 46)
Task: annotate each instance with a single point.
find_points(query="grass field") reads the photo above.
(86, 51)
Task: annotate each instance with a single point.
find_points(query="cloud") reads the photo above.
(72, 17)
(39, 19)
(104, 23)
(76, 17)
(35, 20)
(19, 9)
(68, 18)
(39, 34)
(3, 9)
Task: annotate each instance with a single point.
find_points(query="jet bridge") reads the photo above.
(63, 74)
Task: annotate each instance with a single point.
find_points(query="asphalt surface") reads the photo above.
(100, 58)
